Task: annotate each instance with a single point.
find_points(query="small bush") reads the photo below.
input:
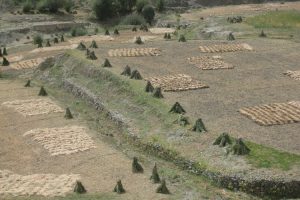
(78, 31)
(133, 19)
(148, 13)
(37, 39)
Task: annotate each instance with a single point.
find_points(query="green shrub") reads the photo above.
(37, 39)
(50, 5)
(160, 5)
(103, 9)
(148, 13)
(133, 19)
(78, 31)
(140, 5)
(27, 7)
(69, 4)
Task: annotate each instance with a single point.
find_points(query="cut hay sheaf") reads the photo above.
(134, 52)
(62, 141)
(34, 106)
(175, 83)
(293, 74)
(27, 64)
(274, 114)
(48, 185)
(209, 63)
(220, 48)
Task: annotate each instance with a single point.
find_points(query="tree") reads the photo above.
(125, 6)
(160, 5)
(69, 4)
(140, 5)
(148, 13)
(104, 9)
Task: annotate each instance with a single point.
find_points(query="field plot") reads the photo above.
(174, 83)
(54, 48)
(274, 114)
(220, 48)
(91, 38)
(33, 106)
(62, 141)
(209, 63)
(134, 52)
(162, 30)
(36, 184)
(27, 64)
(293, 74)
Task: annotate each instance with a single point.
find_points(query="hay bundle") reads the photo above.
(134, 29)
(181, 38)
(79, 188)
(199, 126)
(55, 40)
(62, 39)
(43, 92)
(136, 166)
(157, 93)
(127, 71)
(5, 62)
(149, 87)
(230, 37)
(155, 176)
(183, 120)
(240, 148)
(138, 40)
(177, 108)
(136, 75)
(106, 63)
(92, 56)
(27, 83)
(119, 188)
(223, 140)
(162, 189)
(40, 45)
(106, 32)
(116, 32)
(48, 44)
(94, 45)
(5, 51)
(1, 52)
(81, 47)
(68, 114)
(262, 34)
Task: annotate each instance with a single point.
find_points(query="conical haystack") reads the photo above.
(136, 75)
(79, 188)
(92, 56)
(262, 34)
(119, 188)
(177, 108)
(5, 62)
(48, 44)
(1, 54)
(43, 92)
(155, 176)
(181, 38)
(116, 32)
(94, 45)
(157, 93)
(127, 71)
(68, 114)
(87, 52)
(81, 47)
(166, 36)
(27, 84)
(55, 40)
(199, 126)
(144, 28)
(240, 148)
(62, 39)
(169, 36)
(183, 120)
(40, 45)
(106, 63)
(163, 188)
(136, 166)
(134, 29)
(149, 87)
(230, 37)
(107, 32)
(223, 140)
(5, 52)
(138, 40)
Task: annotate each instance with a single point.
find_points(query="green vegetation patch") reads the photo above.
(267, 157)
(276, 19)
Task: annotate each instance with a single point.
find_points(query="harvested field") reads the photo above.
(34, 106)
(134, 52)
(162, 30)
(15, 58)
(220, 48)
(27, 64)
(175, 83)
(91, 38)
(274, 114)
(54, 48)
(62, 141)
(293, 74)
(209, 63)
(48, 185)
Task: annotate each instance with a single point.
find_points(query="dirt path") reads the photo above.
(98, 168)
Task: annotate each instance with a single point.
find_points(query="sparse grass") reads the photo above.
(276, 19)
(266, 157)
